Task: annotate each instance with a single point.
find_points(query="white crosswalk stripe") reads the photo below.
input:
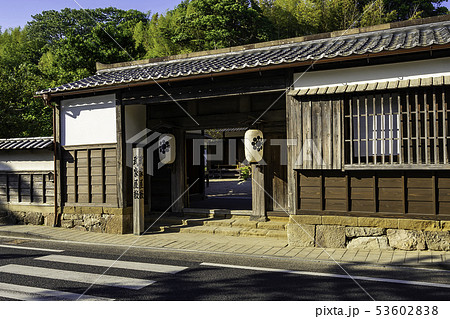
(18, 291)
(76, 276)
(113, 263)
(27, 293)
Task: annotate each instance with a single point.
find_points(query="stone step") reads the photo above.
(225, 225)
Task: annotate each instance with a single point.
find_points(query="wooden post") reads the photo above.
(178, 178)
(138, 190)
(258, 194)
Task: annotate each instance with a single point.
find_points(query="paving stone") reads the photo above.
(244, 223)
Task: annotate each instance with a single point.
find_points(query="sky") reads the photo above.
(16, 13)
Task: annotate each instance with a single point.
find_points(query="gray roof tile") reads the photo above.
(355, 44)
(26, 143)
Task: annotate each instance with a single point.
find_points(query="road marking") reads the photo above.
(83, 277)
(319, 274)
(26, 293)
(32, 248)
(113, 263)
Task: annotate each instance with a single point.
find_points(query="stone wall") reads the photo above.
(368, 233)
(27, 214)
(98, 219)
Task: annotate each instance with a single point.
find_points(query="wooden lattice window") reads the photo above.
(407, 129)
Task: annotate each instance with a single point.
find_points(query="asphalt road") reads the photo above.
(145, 274)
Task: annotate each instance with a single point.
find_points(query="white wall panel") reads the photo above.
(392, 71)
(88, 121)
(26, 160)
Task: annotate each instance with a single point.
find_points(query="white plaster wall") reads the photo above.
(392, 71)
(23, 160)
(88, 121)
(135, 123)
(135, 120)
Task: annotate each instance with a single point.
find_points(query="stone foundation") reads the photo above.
(368, 233)
(23, 214)
(98, 219)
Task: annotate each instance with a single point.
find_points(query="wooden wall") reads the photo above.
(386, 193)
(314, 125)
(89, 175)
(26, 187)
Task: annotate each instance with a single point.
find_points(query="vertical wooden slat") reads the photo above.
(351, 129)
(400, 126)
(348, 198)
(418, 130)
(375, 193)
(404, 195)
(294, 133)
(434, 193)
(435, 130)
(374, 130)
(316, 125)
(445, 128)
(408, 128)
(427, 127)
(391, 131)
(383, 130)
(121, 153)
(31, 188)
(358, 117)
(75, 175)
(307, 135)
(367, 128)
(44, 186)
(103, 173)
(337, 139)
(327, 132)
(89, 177)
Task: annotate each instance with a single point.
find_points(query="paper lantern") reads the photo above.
(167, 148)
(253, 142)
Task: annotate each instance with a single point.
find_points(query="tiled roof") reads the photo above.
(26, 143)
(389, 39)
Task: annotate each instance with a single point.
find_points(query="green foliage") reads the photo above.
(245, 172)
(57, 47)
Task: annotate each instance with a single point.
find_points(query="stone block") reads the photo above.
(301, 235)
(377, 222)
(351, 232)
(242, 223)
(445, 225)
(328, 236)
(253, 232)
(369, 243)
(306, 219)
(340, 220)
(417, 224)
(227, 231)
(90, 210)
(113, 211)
(67, 223)
(34, 219)
(438, 240)
(406, 239)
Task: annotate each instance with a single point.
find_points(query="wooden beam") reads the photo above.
(178, 173)
(258, 193)
(120, 149)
